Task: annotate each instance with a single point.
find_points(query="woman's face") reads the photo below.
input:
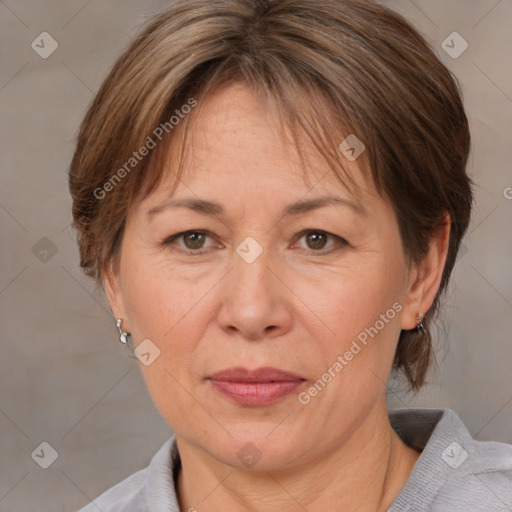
(316, 289)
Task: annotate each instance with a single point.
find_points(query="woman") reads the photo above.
(273, 195)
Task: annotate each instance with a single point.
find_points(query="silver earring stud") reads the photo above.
(123, 336)
(420, 328)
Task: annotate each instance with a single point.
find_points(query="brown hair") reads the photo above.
(332, 68)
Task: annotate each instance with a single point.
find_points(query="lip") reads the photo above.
(260, 387)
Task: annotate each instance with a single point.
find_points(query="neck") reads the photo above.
(364, 474)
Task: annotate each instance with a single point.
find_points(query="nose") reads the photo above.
(255, 302)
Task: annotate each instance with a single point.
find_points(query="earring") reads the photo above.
(123, 338)
(122, 334)
(420, 328)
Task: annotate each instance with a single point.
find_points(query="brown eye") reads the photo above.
(316, 240)
(194, 239)
(319, 243)
(192, 243)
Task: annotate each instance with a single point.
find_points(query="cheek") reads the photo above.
(174, 313)
(355, 299)
(149, 305)
(361, 308)
(157, 298)
(170, 312)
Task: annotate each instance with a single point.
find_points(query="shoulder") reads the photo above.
(125, 496)
(455, 472)
(141, 491)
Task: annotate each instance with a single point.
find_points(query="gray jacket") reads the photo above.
(454, 473)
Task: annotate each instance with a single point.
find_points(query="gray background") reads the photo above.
(65, 379)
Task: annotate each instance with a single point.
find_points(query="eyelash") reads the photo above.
(167, 242)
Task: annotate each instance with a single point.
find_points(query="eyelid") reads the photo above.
(340, 241)
(169, 241)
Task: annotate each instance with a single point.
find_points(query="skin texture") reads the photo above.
(297, 307)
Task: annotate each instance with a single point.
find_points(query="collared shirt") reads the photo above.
(454, 473)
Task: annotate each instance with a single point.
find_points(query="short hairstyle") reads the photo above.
(331, 68)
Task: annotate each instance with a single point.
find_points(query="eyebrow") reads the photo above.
(204, 207)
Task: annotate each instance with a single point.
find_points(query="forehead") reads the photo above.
(238, 142)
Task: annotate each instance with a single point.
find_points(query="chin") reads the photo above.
(257, 447)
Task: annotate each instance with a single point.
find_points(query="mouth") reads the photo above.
(260, 387)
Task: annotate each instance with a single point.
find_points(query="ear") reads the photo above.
(112, 287)
(425, 278)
